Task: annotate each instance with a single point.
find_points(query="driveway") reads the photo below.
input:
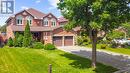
(119, 61)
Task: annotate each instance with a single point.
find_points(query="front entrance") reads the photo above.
(36, 36)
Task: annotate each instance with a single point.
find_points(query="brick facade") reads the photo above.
(37, 26)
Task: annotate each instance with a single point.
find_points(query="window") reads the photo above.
(19, 20)
(45, 22)
(29, 20)
(53, 22)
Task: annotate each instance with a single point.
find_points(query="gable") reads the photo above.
(50, 16)
(23, 14)
(61, 32)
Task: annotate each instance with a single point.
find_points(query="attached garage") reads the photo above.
(68, 41)
(60, 41)
(57, 40)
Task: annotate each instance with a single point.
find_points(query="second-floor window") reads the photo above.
(29, 20)
(19, 20)
(45, 22)
(53, 22)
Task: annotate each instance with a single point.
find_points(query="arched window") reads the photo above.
(45, 22)
(29, 20)
(19, 20)
(53, 22)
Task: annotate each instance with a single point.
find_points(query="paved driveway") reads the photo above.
(116, 60)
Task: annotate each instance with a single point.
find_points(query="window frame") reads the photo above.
(45, 22)
(19, 20)
(29, 20)
(53, 22)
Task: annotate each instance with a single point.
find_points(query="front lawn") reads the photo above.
(21, 60)
(117, 50)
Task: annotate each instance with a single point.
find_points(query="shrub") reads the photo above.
(79, 40)
(103, 46)
(16, 39)
(27, 36)
(84, 43)
(83, 40)
(114, 45)
(20, 40)
(125, 45)
(49, 47)
(10, 42)
(37, 45)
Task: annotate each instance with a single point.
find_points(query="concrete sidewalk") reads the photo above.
(119, 61)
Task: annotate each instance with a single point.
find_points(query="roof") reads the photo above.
(37, 14)
(62, 19)
(33, 28)
(38, 28)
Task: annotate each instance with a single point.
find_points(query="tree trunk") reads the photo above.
(94, 43)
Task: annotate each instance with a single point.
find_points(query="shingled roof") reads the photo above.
(33, 28)
(37, 14)
(62, 19)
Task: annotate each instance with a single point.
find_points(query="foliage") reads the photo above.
(20, 40)
(79, 40)
(115, 34)
(126, 27)
(27, 36)
(94, 16)
(3, 28)
(125, 50)
(119, 45)
(83, 40)
(16, 39)
(10, 42)
(49, 47)
(114, 44)
(37, 45)
(103, 46)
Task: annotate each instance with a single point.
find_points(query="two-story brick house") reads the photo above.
(44, 27)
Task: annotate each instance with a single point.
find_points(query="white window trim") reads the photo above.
(30, 19)
(53, 22)
(45, 22)
(19, 18)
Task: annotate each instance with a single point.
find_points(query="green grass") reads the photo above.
(116, 50)
(21, 60)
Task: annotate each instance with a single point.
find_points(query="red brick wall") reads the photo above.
(47, 37)
(9, 32)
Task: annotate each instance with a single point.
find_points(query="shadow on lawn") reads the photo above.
(78, 62)
(84, 63)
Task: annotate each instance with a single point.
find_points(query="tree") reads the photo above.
(126, 27)
(10, 42)
(16, 39)
(20, 40)
(27, 36)
(3, 28)
(95, 16)
(115, 34)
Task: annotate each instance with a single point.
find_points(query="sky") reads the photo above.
(45, 6)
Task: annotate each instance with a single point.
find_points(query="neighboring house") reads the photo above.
(44, 27)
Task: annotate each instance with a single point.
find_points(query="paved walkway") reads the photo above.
(119, 61)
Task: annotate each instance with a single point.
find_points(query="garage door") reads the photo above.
(68, 41)
(57, 41)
